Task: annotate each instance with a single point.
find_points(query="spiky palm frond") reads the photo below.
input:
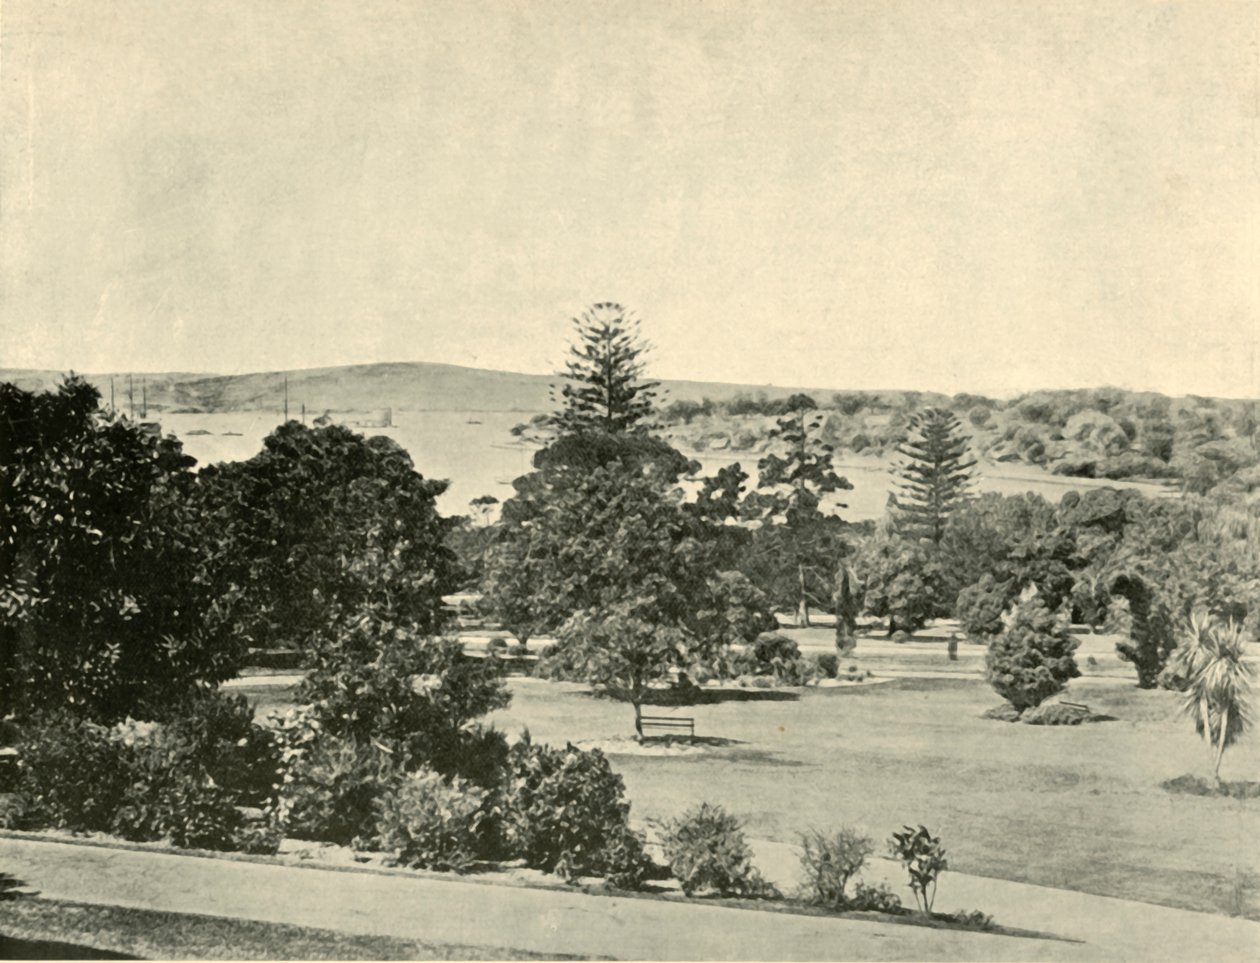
(1218, 696)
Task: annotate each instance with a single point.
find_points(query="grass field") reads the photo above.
(1073, 807)
(51, 929)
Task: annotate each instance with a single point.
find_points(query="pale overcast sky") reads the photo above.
(986, 196)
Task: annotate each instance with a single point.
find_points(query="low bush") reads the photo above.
(707, 853)
(1003, 713)
(875, 899)
(72, 773)
(216, 731)
(424, 822)
(968, 920)
(924, 858)
(183, 781)
(518, 650)
(564, 812)
(900, 636)
(331, 789)
(496, 645)
(792, 672)
(1198, 786)
(170, 799)
(828, 665)
(828, 862)
(1056, 714)
(772, 646)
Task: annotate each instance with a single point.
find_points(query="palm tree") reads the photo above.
(1217, 695)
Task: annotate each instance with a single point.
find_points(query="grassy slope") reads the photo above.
(50, 929)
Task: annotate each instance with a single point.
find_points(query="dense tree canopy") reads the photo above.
(106, 606)
(322, 524)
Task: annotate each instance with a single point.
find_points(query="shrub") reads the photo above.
(565, 813)
(828, 665)
(169, 798)
(924, 858)
(900, 636)
(216, 731)
(73, 775)
(796, 671)
(980, 606)
(496, 645)
(375, 680)
(771, 646)
(332, 786)
(1032, 659)
(141, 781)
(1003, 713)
(829, 862)
(706, 851)
(1056, 714)
(518, 650)
(875, 899)
(424, 822)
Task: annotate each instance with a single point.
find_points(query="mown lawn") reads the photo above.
(1073, 807)
(51, 929)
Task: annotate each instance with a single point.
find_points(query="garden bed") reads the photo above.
(295, 852)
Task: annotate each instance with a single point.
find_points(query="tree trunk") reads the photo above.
(892, 626)
(1220, 749)
(638, 716)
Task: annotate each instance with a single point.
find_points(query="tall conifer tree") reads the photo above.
(603, 388)
(936, 476)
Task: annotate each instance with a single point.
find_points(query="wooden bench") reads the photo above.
(677, 723)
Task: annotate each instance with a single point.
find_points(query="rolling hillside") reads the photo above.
(403, 386)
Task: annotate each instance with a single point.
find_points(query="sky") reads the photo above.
(982, 196)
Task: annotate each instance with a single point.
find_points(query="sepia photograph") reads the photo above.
(713, 480)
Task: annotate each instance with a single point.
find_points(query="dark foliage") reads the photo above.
(106, 604)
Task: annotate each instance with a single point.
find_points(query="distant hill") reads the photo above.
(404, 386)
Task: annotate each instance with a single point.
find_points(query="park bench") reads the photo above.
(677, 723)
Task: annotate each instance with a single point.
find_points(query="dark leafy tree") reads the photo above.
(603, 385)
(470, 537)
(936, 476)
(323, 525)
(106, 608)
(623, 648)
(373, 679)
(901, 581)
(981, 534)
(801, 540)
